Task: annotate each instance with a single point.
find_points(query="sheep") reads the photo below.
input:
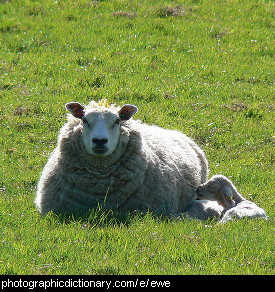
(219, 188)
(104, 157)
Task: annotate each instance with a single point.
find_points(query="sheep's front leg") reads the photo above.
(203, 210)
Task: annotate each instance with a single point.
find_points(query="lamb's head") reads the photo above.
(218, 188)
(101, 125)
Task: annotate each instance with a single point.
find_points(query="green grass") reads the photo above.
(205, 68)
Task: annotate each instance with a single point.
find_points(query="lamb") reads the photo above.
(221, 189)
(105, 157)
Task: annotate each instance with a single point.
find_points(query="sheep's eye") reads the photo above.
(117, 121)
(84, 121)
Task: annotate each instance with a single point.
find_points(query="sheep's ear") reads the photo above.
(227, 191)
(127, 111)
(76, 109)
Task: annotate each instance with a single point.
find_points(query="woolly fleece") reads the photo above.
(151, 169)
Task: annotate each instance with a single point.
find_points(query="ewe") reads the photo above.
(219, 188)
(105, 157)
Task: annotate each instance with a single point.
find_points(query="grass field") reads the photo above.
(205, 68)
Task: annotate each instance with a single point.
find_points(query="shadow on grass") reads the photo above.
(100, 217)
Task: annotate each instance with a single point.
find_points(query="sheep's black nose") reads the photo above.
(100, 142)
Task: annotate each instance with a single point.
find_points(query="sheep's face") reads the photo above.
(101, 131)
(218, 188)
(101, 127)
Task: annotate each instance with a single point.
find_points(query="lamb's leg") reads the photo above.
(203, 210)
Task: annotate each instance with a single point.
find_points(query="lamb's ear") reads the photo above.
(227, 191)
(76, 109)
(126, 112)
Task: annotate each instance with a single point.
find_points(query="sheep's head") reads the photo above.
(101, 125)
(218, 188)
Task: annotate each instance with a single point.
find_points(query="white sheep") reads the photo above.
(219, 188)
(105, 157)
